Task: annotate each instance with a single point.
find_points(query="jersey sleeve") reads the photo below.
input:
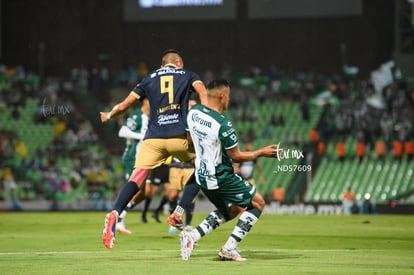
(139, 89)
(227, 135)
(144, 123)
(133, 122)
(195, 82)
(195, 78)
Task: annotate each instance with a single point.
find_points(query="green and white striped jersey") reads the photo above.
(212, 135)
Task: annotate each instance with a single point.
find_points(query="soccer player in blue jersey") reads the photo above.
(168, 91)
(216, 144)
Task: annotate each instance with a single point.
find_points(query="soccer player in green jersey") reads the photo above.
(216, 146)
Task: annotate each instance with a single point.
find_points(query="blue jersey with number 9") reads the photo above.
(168, 90)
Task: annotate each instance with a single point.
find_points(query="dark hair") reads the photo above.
(170, 51)
(217, 83)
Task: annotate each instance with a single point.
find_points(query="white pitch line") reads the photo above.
(177, 251)
(76, 252)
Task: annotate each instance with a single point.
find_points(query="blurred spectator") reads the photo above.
(340, 150)
(279, 194)
(321, 148)
(208, 76)
(10, 189)
(313, 136)
(409, 149)
(273, 120)
(281, 120)
(86, 133)
(253, 115)
(295, 140)
(304, 108)
(355, 208)
(367, 207)
(386, 128)
(98, 188)
(142, 70)
(360, 150)
(60, 127)
(20, 149)
(348, 198)
(65, 186)
(80, 76)
(132, 76)
(277, 120)
(340, 123)
(237, 114)
(380, 149)
(267, 132)
(7, 144)
(262, 94)
(52, 176)
(398, 149)
(251, 134)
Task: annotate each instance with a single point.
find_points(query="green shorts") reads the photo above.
(235, 191)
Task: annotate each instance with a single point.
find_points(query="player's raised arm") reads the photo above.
(201, 90)
(269, 151)
(119, 108)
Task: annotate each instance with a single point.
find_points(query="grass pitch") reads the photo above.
(70, 243)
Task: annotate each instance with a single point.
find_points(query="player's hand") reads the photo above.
(104, 117)
(271, 151)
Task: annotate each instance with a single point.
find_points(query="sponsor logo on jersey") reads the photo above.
(200, 134)
(168, 119)
(169, 107)
(228, 132)
(200, 121)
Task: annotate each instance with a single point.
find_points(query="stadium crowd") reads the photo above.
(77, 166)
(71, 167)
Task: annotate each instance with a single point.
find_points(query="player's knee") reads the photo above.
(258, 202)
(138, 176)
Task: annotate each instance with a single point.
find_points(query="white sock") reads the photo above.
(213, 220)
(179, 211)
(230, 244)
(243, 226)
(195, 234)
(123, 215)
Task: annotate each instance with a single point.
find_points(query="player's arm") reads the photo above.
(236, 155)
(201, 90)
(125, 132)
(120, 108)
